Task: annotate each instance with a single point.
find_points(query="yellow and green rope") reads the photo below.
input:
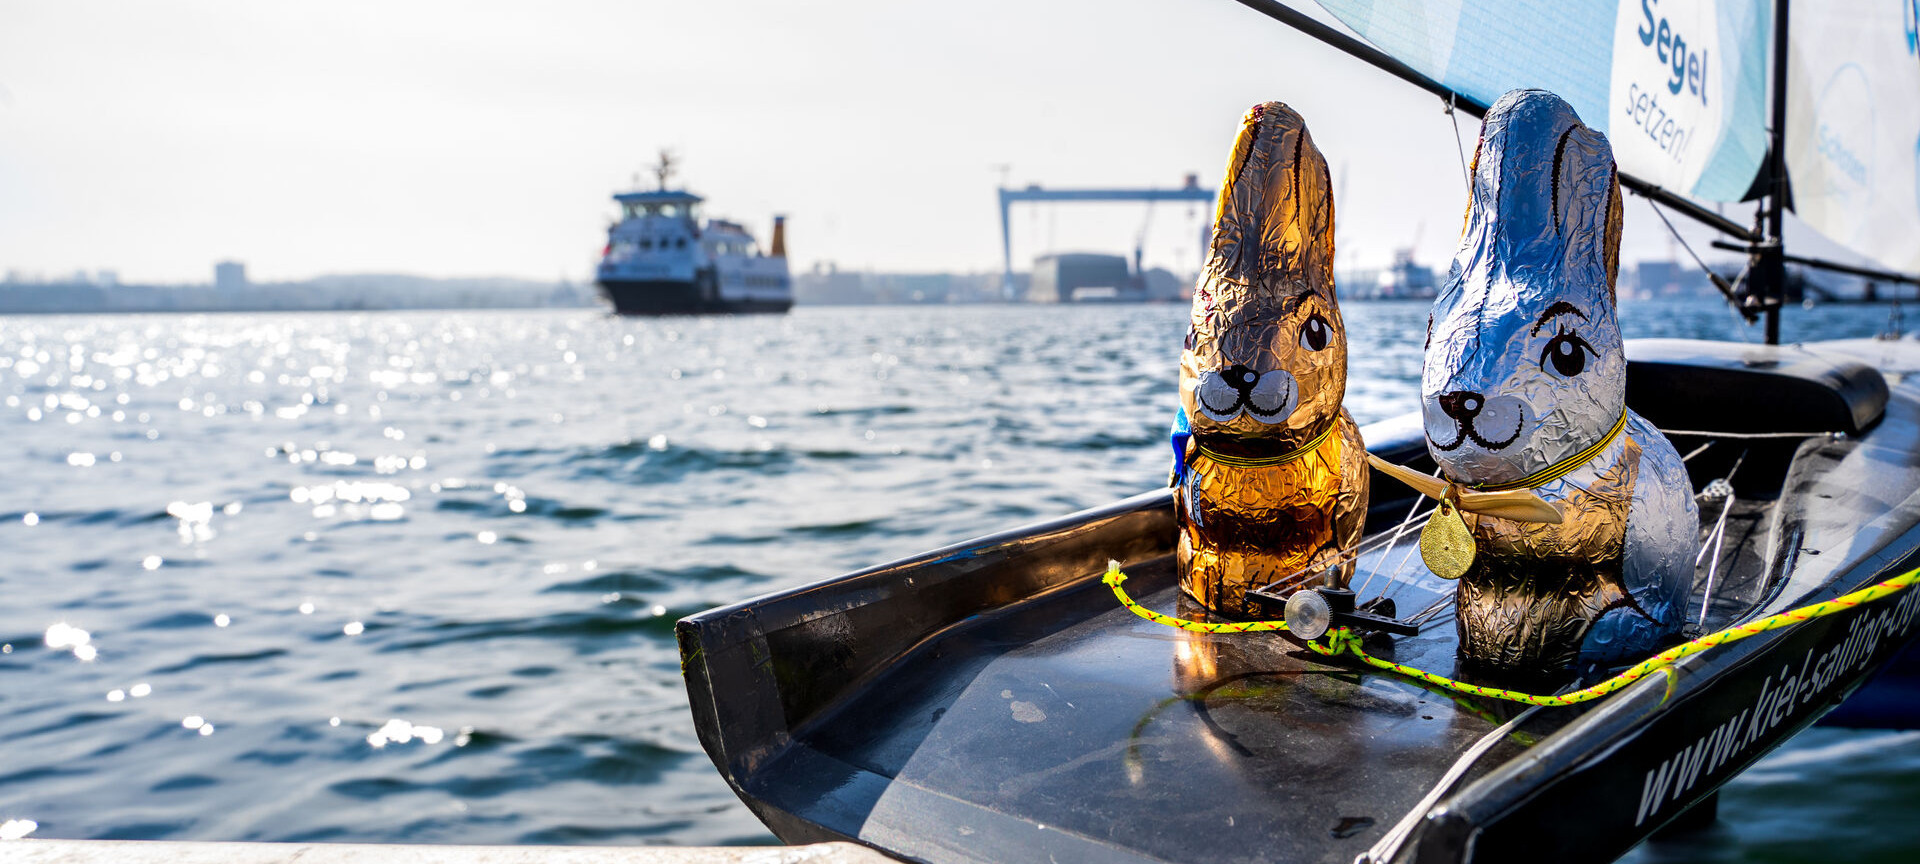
(1114, 577)
(1345, 641)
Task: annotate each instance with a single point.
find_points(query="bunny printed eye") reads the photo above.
(1568, 354)
(1191, 338)
(1315, 333)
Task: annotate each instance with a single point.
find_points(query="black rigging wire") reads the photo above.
(1727, 290)
(1457, 146)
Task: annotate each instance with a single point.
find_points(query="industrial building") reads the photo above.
(1080, 277)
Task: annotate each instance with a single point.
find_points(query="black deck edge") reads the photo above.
(761, 645)
(1731, 387)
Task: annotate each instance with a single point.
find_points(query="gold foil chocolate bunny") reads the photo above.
(1270, 472)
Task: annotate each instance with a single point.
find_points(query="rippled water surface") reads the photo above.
(412, 576)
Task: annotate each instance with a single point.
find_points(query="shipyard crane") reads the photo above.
(1189, 191)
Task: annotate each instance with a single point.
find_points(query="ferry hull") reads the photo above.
(662, 297)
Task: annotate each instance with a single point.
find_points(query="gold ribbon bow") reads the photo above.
(1446, 544)
(1520, 505)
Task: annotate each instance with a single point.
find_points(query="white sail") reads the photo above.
(1853, 130)
(1679, 87)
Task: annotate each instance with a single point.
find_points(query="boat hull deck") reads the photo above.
(991, 701)
(1128, 738)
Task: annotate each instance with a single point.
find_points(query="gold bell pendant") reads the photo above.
(1446, 545)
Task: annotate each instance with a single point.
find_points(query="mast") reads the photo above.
(1769, 255)
(664, 169)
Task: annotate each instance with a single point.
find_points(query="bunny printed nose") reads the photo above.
(1268, 397)
(1462, 405)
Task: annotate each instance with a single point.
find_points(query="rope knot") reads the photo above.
(1338, 641)
(1343, 641)
(1114, 577)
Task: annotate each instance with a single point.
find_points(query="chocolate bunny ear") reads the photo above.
(1586, 197)
(1273, 229)
(1545, 188)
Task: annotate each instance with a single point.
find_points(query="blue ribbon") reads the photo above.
(1178, 436)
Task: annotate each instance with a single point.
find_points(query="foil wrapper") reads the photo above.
(1525, 367)
(1272, 477)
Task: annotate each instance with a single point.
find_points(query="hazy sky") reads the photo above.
(480, 138)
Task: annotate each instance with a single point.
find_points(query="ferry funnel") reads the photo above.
(779, 245)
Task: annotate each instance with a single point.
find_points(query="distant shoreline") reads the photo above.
(342, 293)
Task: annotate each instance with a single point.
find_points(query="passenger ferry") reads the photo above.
(660, 260)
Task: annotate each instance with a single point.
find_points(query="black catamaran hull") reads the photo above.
(990, 702)
(664, 297)
(1662, 759)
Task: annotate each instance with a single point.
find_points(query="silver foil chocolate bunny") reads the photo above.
(1524, 387)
